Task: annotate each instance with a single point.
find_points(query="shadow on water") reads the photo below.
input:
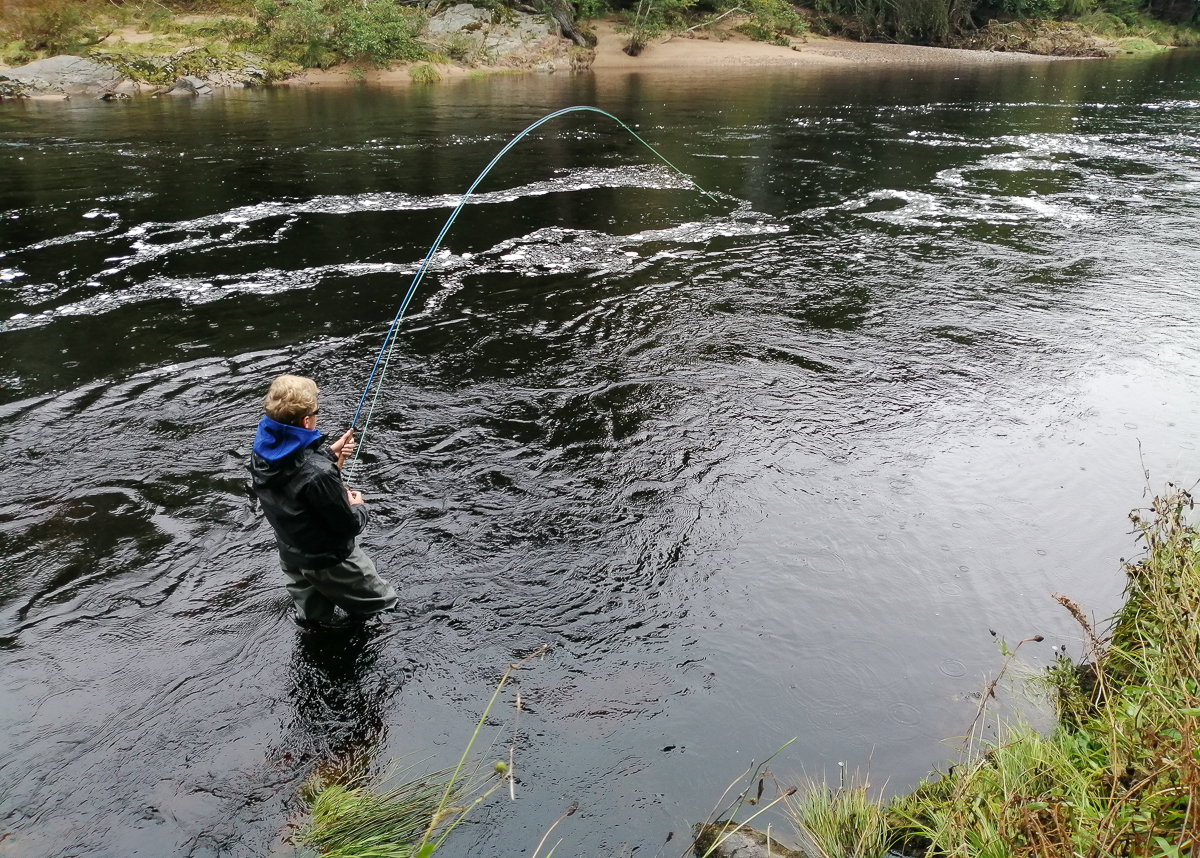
(339, 695)
(762, 469)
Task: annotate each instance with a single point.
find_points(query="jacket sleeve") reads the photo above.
(327, 496)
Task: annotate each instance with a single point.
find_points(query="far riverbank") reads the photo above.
(708, 55)
(130, 62)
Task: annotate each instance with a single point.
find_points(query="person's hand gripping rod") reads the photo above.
(343, 447)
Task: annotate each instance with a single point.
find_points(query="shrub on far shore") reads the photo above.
(770, 20)
(51, 27)
(322, 33)
(1113, 27)
(647, 20)
(927, 22)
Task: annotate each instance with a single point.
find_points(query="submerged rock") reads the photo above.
(187, 85)
(742, 843)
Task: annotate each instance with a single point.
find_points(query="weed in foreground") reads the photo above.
(353, 815)
(711, 835)
(372, 817)
(843, 823)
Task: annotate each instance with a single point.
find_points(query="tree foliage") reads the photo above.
(321, 33)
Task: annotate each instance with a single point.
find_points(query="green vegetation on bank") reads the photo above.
(376, 33)
(1120, 773)
(305, 33)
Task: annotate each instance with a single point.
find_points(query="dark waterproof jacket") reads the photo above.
(304, 500)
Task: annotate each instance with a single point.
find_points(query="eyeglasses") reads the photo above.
(313, 413)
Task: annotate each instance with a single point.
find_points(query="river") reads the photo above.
(789, 463)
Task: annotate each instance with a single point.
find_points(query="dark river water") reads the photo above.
(767, 467)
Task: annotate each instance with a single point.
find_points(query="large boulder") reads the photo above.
(459, 17)
(469, 34)
(67, 74)
(212, 67)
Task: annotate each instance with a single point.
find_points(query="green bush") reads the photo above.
(928, 21)
(1109, 25)
(1127, 10)
(322, 33)
(770, 20)
(457, 46)
(1031, 8)
(54, 27)
(1076, 8)
(299, 31)
(381, 32)
(649, 19)
(588, 10)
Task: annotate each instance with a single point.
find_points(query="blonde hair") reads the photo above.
(291, 398)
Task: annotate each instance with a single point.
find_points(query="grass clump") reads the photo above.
(1120, 774)
(352, 815)
(424, 73)
(841, 823)
(1138, 45)
(371, 818)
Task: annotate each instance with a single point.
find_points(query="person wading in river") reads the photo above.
(298, 479)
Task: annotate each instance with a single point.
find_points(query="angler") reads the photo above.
(316, 519)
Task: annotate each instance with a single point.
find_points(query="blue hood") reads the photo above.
(275, 440)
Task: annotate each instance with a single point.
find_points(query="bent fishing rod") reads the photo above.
(384, 358)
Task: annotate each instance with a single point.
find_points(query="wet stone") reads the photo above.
(13, 88)
(742, 843)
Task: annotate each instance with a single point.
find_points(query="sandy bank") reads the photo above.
(695, 51)
(702, 53)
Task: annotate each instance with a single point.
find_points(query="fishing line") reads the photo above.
(384, 358)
